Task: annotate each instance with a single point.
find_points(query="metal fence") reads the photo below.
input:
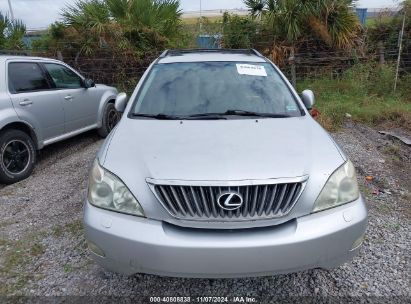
(124, 69)
(302, 65)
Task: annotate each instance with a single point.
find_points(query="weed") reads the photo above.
(365, 190)
(37, 249)
(382, 207)
(75, 228)
(391, 150)
(67, 268)
(365, 92)
(57, 231)
(14, 260)
(7, 223)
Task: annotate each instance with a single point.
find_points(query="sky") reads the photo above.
(37, 14)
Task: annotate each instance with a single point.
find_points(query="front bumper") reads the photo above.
(139, 245)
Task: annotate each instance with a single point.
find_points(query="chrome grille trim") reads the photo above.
(197, 200)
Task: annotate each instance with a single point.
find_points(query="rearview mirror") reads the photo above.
(308, 98)
(88, 83)
(121, 102)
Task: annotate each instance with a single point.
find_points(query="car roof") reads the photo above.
(20, 57)
(202, 55)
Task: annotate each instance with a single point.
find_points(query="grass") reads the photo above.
(58, 231)
(365, 190)
(196, 20)
(370, 22)
(393, 153)
(15, 256)
(7, 223)
(75, 228)
(68, 268)
(383, 207)
(365, 93)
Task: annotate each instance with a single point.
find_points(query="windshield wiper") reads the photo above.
(175, 117)
(241, 113)
(209, 116)
(158, 116)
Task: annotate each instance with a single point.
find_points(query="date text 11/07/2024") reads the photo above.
(235, 299)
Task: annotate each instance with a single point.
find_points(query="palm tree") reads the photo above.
(142, 23)
(14, 35)
(335, 22)
(91, 19)
(11, 33)
(332, 21)
(256, 7)
(4, 23)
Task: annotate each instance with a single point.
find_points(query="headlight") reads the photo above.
(341, 188)
(105, 190)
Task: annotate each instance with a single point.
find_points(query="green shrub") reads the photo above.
(366, 93)
(238, 32)
(372, 78)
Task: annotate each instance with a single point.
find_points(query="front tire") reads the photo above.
(17, 156)
(110, 119)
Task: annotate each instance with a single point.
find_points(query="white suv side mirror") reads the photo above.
(121, 102)
(308, 99)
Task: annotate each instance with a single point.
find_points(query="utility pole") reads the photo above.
(399, 53)
(11, 11)
(201, 17)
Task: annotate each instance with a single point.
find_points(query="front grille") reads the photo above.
(200, 202)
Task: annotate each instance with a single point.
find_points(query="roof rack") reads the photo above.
(229, 51)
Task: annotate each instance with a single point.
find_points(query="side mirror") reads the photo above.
(308, 98)
(88, 83)
(121, 102)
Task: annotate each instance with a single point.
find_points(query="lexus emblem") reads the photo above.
(230, 200)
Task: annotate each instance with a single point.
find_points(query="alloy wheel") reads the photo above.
(112, 118)
(16, 156)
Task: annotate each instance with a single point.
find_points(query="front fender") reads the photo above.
(109, 94)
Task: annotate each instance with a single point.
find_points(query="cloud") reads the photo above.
(41, 13)
(194, 5)
(35, 13)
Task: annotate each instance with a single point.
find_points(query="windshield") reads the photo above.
(197, 89)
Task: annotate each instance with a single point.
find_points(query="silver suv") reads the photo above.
(217, 169)
(43, 101)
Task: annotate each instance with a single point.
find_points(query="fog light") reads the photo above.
(357, 243)
(95, 249)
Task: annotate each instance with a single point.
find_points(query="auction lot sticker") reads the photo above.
(251, 69)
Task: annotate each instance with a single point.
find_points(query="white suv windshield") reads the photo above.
(218, 88)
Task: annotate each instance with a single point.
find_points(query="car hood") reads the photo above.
(213, 150)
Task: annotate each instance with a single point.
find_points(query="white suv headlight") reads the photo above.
(341, 188)
(107, 191)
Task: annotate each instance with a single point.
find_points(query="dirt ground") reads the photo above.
(43, 251)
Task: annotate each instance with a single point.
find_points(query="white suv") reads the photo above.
(43, 101)
(217, 169)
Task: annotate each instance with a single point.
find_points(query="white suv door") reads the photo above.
(80, 104)
(34, 99)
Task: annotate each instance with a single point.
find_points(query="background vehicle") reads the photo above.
(217, 169)
(43, 101)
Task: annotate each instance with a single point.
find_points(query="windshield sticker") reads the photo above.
(291, 108)
(253, 70)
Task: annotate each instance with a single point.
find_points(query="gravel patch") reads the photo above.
(43, 251)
